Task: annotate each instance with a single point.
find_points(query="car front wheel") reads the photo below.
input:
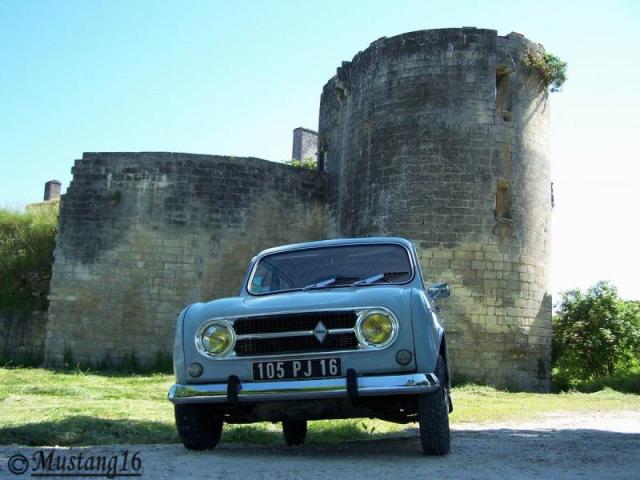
(198, 426)
(295, 431)
(433, 415)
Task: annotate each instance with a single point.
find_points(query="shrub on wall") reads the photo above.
(305, 163)
(552, 70)
(27, 240)
(596, 335)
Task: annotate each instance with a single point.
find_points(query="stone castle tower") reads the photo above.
(443, 136)
(440, 136)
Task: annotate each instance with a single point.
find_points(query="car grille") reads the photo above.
(293, 339)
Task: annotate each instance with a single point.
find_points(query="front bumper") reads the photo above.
(230, 392)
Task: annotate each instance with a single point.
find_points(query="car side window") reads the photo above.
(269, 278)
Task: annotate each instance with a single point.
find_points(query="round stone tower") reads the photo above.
(442, 136)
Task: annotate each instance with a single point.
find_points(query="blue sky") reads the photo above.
(236, 77)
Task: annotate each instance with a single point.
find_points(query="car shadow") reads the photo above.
(562, 447)
(529, 446)
(85, 430)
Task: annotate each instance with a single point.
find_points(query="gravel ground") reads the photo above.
(560, 446)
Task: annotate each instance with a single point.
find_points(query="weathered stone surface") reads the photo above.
(442, 136)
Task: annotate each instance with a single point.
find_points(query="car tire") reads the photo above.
(198, 426)
(433, 415)
(294, 431)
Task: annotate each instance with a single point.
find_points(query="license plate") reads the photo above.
(288, 369)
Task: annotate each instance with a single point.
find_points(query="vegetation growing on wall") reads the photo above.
(596, 339)
(551, 68)
(305, 163)
(27, 240)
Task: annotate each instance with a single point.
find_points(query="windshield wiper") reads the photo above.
(377, 278)
(327, 283)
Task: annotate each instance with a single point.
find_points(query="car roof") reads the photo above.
(338, 241)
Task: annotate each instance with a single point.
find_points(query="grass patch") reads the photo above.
(44, 407)
(27, 240)
(479, 404)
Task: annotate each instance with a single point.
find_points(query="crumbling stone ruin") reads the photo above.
(440, 136)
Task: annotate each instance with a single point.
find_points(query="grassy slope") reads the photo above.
(26, 255)
(41, 407)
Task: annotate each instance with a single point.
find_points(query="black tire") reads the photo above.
(198, 426)
(294, 431)
(433, 415)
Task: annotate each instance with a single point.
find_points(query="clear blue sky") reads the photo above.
(236, 77)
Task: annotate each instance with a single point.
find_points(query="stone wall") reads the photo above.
(22, 336)
(442, 136)
(144, 234)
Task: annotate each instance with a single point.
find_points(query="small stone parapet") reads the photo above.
(305, 144)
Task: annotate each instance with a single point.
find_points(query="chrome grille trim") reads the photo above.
(296, 333)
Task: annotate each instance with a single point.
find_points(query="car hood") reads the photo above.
(394, 297)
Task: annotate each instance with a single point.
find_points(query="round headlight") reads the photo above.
(377, 328)
(217, 338)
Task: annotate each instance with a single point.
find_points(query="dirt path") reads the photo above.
(559, 446)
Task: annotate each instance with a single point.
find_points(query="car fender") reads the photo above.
(428, 334)
(179, 367)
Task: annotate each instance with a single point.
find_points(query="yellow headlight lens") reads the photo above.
(377, 328)
(216, 339)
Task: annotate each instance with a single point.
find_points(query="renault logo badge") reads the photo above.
(320, 332)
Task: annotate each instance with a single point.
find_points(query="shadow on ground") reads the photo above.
(563, 447)
(83, 430)
(492, 454)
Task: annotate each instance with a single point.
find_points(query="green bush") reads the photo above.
(27, 240)
(596, 336)
(552, 70)
(305, 163)
(626, 383)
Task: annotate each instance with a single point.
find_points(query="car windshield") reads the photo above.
(331, 267)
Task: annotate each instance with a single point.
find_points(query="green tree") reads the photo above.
(596, 333)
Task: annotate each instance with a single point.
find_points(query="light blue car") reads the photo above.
(330, 329)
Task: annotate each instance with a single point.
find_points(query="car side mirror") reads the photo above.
(439, 290)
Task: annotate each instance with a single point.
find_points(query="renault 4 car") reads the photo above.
(322, 330)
